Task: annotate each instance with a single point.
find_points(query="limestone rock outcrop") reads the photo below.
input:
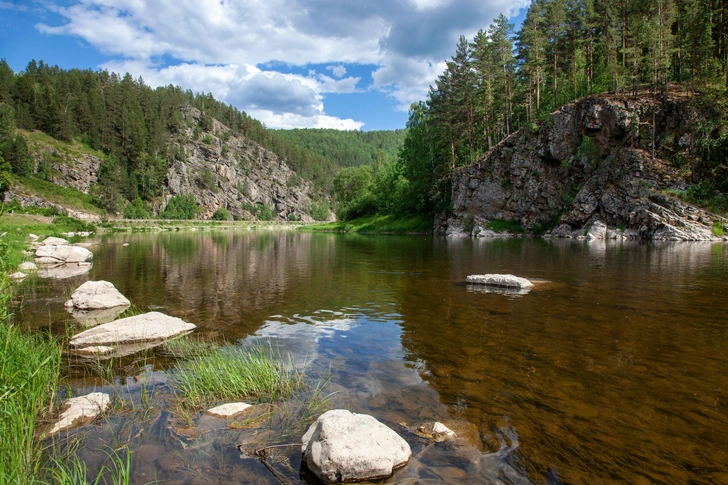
(591, 161)
(342, 446)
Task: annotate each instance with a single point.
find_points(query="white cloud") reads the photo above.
(215, 45)
(338, 71)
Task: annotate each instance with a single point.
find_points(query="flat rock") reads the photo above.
(342, 446)
(27, 266)
(95, 350)
(63, 254)
(55, 241)
(81, 410)
(148, 327)
(229, 410)
(97, 295)
(63, 271)
(17, 276)
(502, 280)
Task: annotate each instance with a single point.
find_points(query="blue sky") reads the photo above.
(290, 63)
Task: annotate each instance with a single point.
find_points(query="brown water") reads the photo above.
(613, 369)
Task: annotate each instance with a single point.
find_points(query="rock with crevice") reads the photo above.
(342, 446)
(148, 327)
(97, 295)
(80, 410)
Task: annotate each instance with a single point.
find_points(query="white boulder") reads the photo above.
(598, 230)
(96, 295)
(148, 327)
(27, 266)
(503, 280)
(342, 446)
(80, 410)
(55, 241)
(17, 276)
(62, 254)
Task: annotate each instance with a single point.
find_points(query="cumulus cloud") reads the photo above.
(214, 45)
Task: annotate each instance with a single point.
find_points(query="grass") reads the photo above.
(29, 373)
(222, 373)
(72, 471)
(377, 224)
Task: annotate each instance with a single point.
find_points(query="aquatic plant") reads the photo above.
(231, 372)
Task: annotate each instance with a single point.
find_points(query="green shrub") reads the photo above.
(501, 225)
(71, 224)
(320, 210)
(180, 207)
(137, 210)
(589, 152)
(718, 229)
(468, 223)
(221, 214)
(207, 140)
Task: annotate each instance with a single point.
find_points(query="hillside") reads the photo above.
(347, 148)
(131, 149)
(614, 160)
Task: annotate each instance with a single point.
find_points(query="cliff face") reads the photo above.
(592, 161)
(224, 170)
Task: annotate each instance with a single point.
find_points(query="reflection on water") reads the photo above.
(612, 369)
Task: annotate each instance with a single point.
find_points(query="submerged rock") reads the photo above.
(148, 327)
(91, 318)
(342, 446)
(97, 295)
(63, 271)
(436, 431)
(80, 410)
(501, 280)
(229, 410)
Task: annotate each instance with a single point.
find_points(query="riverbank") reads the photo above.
(376, 224)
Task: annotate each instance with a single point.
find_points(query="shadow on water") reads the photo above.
(612, 369)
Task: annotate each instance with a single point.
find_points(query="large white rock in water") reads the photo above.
(96, 295)
(342, 446)
(81, 410)
(148, 327)
(503, 280)
(62, 254)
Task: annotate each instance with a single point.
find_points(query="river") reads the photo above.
(612, 369)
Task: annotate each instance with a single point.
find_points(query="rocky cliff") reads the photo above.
(592, 161)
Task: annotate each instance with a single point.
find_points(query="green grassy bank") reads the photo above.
(377, 224)
(29, 365)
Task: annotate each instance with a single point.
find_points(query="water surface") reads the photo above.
(613, 369)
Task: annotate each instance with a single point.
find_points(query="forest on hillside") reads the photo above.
(127, 120)
(348, 148)
(503, 80)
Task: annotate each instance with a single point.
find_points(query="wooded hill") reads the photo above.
(503, 80)
(348, 148)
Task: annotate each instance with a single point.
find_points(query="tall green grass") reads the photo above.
(214, 374)
(29, 372)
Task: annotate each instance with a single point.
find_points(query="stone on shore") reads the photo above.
(27, 266)
(502, 280)
(17, 276)
(598, 230)
(96, 295)
(229, 410)
(342, 446)
(148, 327)
(54, 241)
(80, 410)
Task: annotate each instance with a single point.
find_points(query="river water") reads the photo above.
(613, 369)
